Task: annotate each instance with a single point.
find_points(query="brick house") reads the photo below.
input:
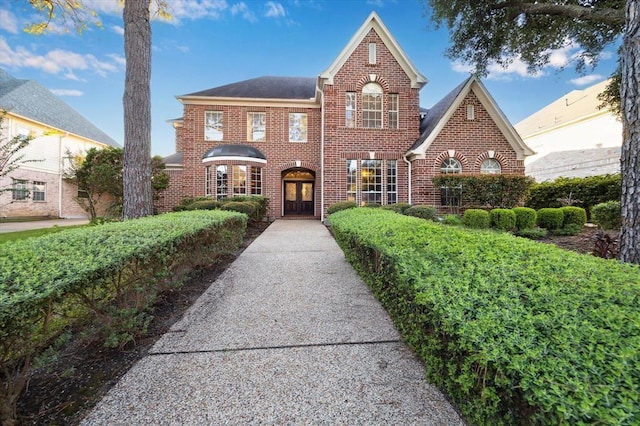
(355, 132)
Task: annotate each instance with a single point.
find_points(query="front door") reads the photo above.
(298, 198)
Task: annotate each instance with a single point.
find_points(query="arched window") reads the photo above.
(450, 165)
(490, 166)
(372, 106)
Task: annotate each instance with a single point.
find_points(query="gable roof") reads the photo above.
(268, 87)
(374, 22)
(575, 106)
(30, 100)
(438, 116)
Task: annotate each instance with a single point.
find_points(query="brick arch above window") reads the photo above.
(451, 153)
(366, 79)
(489, 155)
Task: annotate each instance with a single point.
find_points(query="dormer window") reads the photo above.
(372, 53)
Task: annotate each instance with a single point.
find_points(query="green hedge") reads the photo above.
(525, 217)
(397, 207)
(250, 208)
(503, 219)
(476, 218)
(423, 212)
(572, 215)
(341, 205)
(106, 276)
(514, 331)
(607, 215)
(588, 192)
(503, 191)
(550, 218)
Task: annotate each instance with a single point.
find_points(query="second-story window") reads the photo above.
(350, 110)
(372, 106)
(256, 126)
(213, 126)
(393, 111)
(297, 127)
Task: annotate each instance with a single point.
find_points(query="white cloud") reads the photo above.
(117, 29)
(67, 92)
(193, 9)
(586, 80)
(243, 10)
(462, 67)
(56, 61)
(8, 21)
(274, 10)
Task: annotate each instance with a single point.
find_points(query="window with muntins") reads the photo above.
(372, 106)
(451, 196)
(371, 180)
(350, 109)
(208, 184)
(352, 180)
(222, 181)
(393, 111)
(297, 127)
(256, 181)
(19, 190)
(213, 129)
(490, 166)
(239, 180)
(256, 126)
(39, 191)
(392, 181)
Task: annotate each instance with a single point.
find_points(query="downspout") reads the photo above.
(321, 153)
(404, 158)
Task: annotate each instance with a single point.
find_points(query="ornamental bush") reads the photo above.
(397, 207)
(452, 220)
(250, 208)
(423, 212)
(503, 191)
(550, 218)
(513, 331)
(572, 215)
(341, 205)
(525, 217)
(203, 205)
(503, 219)
(476, 218)
(607, 215)
(261, 200)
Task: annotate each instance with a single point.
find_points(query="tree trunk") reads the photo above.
(630, 168)
(138, 198)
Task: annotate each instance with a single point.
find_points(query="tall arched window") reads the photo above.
(451, 196)
(372, 106)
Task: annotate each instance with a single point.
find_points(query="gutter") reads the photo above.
(321, 153)
(404, 158)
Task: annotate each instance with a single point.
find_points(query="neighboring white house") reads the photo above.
(38, 188)
(572, 137)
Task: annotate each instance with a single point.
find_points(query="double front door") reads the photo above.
(298, 198)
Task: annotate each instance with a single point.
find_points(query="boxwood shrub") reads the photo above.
(397, 207)
(607, 215)
(550, 218)
(503, 219)
(105, 277)
(423, 212)
(341, 205)
(525, 217)
(572, 215)
(250, 208)
(476, 218)
(513, 331)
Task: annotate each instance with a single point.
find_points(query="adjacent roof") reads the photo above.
(174, 159)
(233, 151)
(574, 106)
(374, 22)
(577, 163)
(438, 116)
(31, 100)
(268, 87)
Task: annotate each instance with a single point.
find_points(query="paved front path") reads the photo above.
(289, 334)
(39, 224)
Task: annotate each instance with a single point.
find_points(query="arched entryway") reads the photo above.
(298, 186)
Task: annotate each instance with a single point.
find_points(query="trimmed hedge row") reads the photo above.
(107, 276)
(254, 206)
(515, 332)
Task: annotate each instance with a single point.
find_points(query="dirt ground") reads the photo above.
(61, 394)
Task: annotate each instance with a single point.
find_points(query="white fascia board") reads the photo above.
(253, 102)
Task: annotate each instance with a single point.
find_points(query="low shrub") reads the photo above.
(550, 218)
(503, 219)
(607, 215)
(572, 215)
(341, 205)
(203, 205)
(397, 207)
(423, 212)
(513, 331)
(525, 217)
(104, 277)
(534, 233)
(250, 208)
(476, 218)
(372, 205)
(452, 220)
(261, 200)
(571, 229)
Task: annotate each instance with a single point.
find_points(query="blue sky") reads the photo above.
(210, 43)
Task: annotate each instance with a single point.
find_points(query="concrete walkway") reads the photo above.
(39, 224)
(288, 334)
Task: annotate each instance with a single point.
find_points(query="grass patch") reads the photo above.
(21, 235)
